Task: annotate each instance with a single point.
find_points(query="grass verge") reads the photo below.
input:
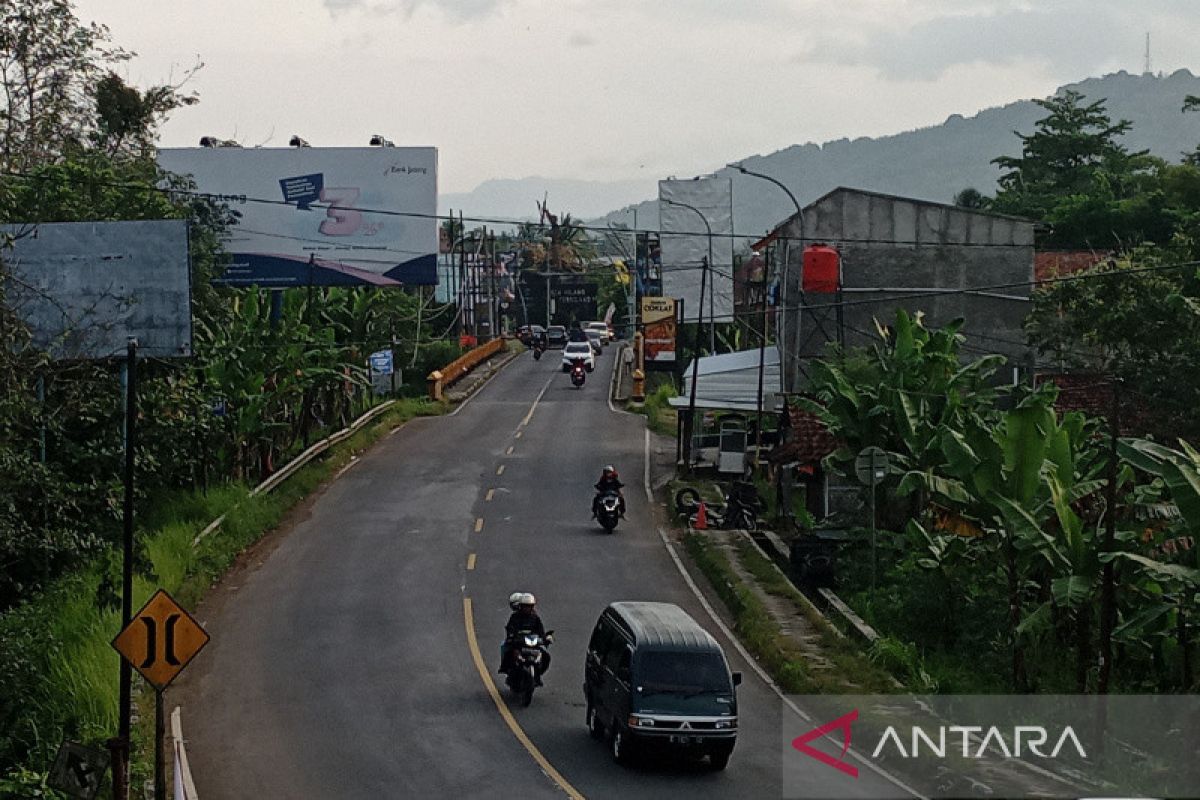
(661, 418)
(56, 664)
(784, 659)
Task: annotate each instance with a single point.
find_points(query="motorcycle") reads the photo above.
(538, 349)
(577, 374)
(740, 510)
(525, 663)
(608, 511)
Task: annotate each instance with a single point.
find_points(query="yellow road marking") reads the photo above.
(500, 470)
(478, 524)
(471, 561)
(508, 452)
(502, 707)
(488, 497)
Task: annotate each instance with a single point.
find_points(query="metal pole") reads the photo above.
(691, 417)
(160, 762)
(874, 560)
(129, 381)
(492, 291)
(41, 398)
(762, 357)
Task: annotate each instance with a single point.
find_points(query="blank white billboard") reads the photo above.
(84, 288)
(685, 244)
(322, 215)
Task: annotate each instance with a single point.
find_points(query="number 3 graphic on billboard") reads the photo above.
(343, 220)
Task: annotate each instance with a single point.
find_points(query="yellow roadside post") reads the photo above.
(435, 385)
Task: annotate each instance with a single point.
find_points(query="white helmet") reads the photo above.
(514, 600)
(528, 600)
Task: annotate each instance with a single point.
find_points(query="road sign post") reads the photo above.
(871, 466)
(159, 642)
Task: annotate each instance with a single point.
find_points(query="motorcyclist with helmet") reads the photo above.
(524, 619)
(609, 482)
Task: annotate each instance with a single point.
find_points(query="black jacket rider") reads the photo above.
(523, 622)
(603, 487)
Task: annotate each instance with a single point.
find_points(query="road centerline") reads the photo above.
(505, 713)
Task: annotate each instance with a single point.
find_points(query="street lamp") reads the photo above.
(691, 417)
(762, 342)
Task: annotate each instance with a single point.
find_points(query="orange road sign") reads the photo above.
(160, 640)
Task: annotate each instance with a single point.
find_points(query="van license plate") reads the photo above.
(681, 739)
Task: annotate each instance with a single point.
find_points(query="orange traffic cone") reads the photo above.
(701, 522)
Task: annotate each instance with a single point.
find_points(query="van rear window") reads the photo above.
(684, 672)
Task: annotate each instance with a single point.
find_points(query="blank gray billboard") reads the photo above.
(84, 288)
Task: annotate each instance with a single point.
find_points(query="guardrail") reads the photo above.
(184, 787)
(447, 375)
(299, 461)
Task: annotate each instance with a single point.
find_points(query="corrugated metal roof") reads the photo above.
(664, 625)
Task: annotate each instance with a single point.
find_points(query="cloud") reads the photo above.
(454, 9)
(1072, 38)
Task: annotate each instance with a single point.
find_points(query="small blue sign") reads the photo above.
(381, 362)
(219, 407)
(303, 190)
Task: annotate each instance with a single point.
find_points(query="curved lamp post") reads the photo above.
(763, 339)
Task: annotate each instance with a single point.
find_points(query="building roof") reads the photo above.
(730, 380)
(806, 440)
(664, 625)
(776, 231)
(1048, 264)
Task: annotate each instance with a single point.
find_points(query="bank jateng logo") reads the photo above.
(974, 742)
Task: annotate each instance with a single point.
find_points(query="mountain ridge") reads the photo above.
(929, 163)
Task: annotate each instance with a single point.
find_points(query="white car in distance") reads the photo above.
(600, 328)
(575, 350)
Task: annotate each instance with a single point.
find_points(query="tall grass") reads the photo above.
(58, 670)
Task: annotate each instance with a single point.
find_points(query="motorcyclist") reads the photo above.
(609, 482)
(524, 619)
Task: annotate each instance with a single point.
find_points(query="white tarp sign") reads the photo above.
(322, 215)
(685, 244)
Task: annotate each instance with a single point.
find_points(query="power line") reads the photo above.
(503, 221)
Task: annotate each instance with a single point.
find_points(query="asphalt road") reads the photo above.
(341, 663)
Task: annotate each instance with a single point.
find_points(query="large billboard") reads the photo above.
(658, 331)
(322, 215)
(688, 211)
(84, 288)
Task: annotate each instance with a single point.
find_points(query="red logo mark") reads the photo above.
(801, 743)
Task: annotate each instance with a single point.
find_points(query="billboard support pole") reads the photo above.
(691, 417)
(121, 748)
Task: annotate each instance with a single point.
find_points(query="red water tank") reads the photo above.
(822, 266)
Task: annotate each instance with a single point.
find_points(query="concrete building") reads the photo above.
(897, 252)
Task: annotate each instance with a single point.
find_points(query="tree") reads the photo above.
(972, 198)
(1075, 175)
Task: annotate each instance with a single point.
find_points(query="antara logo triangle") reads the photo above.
(843, 722)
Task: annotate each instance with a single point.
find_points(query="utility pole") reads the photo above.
(1108, 588)
(492, 289)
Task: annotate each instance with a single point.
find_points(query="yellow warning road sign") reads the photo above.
(160, 640)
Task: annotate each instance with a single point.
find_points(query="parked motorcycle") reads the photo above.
(608, 511)
(739, 511)
(578, 375)
(525, 664)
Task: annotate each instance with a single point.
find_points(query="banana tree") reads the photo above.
(1016, 478)
(1169, 589)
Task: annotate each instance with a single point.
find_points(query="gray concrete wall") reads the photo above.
(907, 246)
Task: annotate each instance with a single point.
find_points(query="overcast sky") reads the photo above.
(620, 89)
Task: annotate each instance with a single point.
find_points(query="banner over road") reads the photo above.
(322, 215)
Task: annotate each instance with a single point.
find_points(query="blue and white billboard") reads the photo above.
(322, 215)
